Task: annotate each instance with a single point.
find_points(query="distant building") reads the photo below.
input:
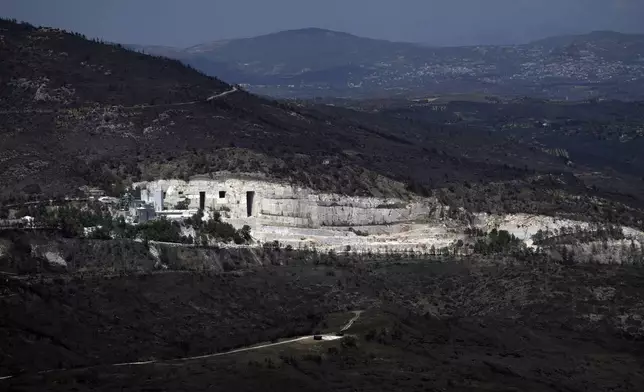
(151, 206)
(145, 213)
(145, 195)
(158, 200)
(237, 200)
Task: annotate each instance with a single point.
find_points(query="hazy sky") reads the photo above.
(442, 22)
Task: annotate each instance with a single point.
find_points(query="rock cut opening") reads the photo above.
(250, 197)
(202, 200)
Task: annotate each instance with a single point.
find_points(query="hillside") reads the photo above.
(297, 52)
(606, 134)
(606, 44)
(48, 68)
(425, 324)
(316, 62)
(126, 111)
(70, 121)
(89, 302)
(599, 141)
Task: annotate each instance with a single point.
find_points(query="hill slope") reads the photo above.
(603, 44)
(316, 62)
(68, 120)
(49, 68)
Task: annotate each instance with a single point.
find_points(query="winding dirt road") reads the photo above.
(217, 96)
(356, 316)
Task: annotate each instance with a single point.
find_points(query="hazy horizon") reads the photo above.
(461, 22)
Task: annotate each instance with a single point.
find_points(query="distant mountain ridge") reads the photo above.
(317, 62)
(591, 36)
(289, 53)
(605, 44)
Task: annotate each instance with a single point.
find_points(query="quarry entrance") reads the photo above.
(202, 200)
(250, 197)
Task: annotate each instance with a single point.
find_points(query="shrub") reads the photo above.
(497, 241)
(219, 230)
(100, 233)
(245, 233)
(225, 232)
(348, 342)
(183, 205)
(392, 205)
(358, 232)
(160, 230)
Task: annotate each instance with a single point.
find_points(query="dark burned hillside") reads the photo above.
(426, 326)
(77, 112)
(68, 70)
(103, 107)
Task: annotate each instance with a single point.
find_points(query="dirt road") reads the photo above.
(356, 316)
(325, 337)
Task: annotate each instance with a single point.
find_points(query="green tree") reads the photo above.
(183, 205)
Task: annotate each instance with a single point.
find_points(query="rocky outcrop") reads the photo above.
(55, 261)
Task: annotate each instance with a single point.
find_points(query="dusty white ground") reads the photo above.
(421, 237)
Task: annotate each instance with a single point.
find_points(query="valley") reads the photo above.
(406, 220)
(311, 63)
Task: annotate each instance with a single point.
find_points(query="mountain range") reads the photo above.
(321, 63)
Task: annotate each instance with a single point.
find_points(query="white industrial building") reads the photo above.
(233, 198)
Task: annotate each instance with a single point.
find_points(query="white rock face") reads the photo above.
(257, 202)
(524, 226)
(304, 218)
(54, 259)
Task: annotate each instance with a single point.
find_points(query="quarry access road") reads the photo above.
(221, 95)
(356, 316)
(325, 337)
(44, 111)
(178, 361)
